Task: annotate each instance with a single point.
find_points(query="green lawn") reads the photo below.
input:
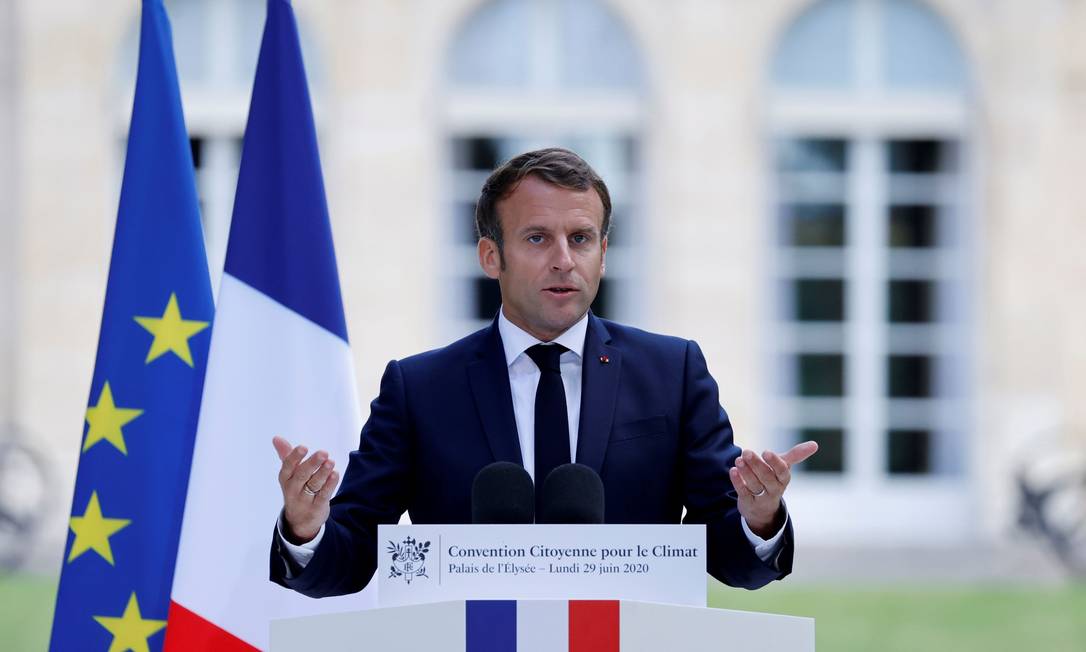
(958, 619)
(929, 618)
(26, 612)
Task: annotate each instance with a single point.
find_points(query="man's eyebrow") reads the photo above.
(533, 227)
(586, 227)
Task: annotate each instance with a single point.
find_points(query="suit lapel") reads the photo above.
(601, 365)
(489, 378)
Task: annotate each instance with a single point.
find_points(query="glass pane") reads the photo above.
(476, 153)
(249, 31)
(812, 155)
(493, 47)
(631, 155)
(620, 214)
(912, 226)
(813, 225)
(465, 219)
(918, 49)
(818, 48)
(830, 457)
(196, 144)
(189, 23)
(488, 298)
(908, 451)
(596, 50)
(820, 374)
(923, 156)
(909, 376)
(601, 304)
(911, 301)
(818, 299)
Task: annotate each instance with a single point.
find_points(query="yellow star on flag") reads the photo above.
(106, 421)
(131, 630)
(92, 531)
(171, 332)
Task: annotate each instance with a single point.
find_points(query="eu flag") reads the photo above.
(144, 402)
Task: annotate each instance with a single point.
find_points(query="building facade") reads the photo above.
(865, 211)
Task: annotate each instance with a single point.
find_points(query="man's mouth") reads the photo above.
(560, 290)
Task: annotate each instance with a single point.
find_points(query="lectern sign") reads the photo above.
(432, 563)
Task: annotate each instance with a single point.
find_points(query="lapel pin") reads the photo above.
(604, 359)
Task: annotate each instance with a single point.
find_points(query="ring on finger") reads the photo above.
(760, 493)
(309, 490)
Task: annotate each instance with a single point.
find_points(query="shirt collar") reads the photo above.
(516, 341)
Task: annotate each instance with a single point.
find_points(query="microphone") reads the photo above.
(572, 493)
(502, 493)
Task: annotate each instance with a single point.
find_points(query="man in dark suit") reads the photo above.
(547, 383)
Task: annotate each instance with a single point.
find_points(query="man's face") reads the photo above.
(554, 255)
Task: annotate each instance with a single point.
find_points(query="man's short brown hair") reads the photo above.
(556, 166)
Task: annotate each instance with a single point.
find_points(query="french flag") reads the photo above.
(279, 364)
(541, 626)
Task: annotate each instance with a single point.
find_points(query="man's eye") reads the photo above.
(535, 239)
(580, 238)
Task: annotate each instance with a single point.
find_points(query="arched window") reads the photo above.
(216, 45)
(868, 114)
(522, 74)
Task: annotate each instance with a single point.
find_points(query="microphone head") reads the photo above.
(502, 493)
(572, 493)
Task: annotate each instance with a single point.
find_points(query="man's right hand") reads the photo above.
(307, 487)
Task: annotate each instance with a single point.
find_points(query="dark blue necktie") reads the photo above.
(551, 420)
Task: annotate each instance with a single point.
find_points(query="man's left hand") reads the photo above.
(760, 482)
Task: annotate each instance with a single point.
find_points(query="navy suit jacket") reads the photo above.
(651, 426)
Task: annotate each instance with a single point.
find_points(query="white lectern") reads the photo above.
(443, 565)
(544, 626)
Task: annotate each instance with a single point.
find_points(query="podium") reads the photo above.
(529, 588)
(544, 626)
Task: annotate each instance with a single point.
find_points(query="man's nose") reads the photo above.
(562, 260)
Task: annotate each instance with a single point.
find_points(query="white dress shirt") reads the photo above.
(523, 380)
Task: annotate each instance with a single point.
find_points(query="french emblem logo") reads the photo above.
(408, 559)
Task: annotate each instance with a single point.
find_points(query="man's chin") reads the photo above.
(564, 320)
(554, 323)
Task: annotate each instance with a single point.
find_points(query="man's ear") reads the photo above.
(490, 258)
(603, 256)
